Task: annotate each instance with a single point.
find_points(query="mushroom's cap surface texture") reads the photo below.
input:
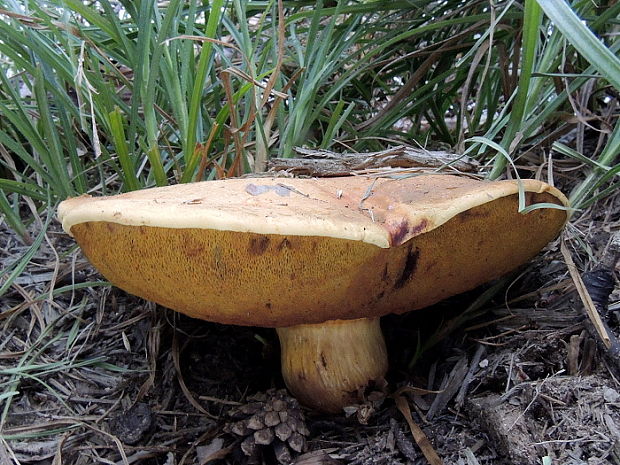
(278, 252)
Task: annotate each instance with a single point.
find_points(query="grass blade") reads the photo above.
(198, 88)
(583, 39)
(128, 171)
(19, 266)
(13, 219)
(531, 23)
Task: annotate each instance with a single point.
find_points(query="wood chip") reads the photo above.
(449, 388)
(473, 367)
(573, 354)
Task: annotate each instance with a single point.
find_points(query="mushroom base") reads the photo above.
(328, 365)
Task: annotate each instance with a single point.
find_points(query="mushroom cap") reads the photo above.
(279, 252)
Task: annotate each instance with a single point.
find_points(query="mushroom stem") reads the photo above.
(327, 365)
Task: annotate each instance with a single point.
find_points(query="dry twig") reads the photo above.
(417, 433)
(324, 163)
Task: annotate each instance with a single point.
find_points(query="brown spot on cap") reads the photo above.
(418, 228)
(470, 214)
(402, 232)
(258, 245)
(284, 244)
(398, 232)
(385, 277)
(194, 251)
(409, 268)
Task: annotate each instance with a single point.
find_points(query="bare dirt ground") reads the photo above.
(90, 374)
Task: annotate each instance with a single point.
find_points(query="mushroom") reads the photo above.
(320, 260)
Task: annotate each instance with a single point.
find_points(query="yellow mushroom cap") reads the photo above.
(278, 252)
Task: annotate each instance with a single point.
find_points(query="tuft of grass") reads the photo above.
(111, 96)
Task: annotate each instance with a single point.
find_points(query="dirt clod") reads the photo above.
(131, 425)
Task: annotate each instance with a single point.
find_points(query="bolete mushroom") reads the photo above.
(319, 259)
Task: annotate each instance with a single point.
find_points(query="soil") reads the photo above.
(92, 375)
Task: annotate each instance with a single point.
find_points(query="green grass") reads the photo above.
(93, 99)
